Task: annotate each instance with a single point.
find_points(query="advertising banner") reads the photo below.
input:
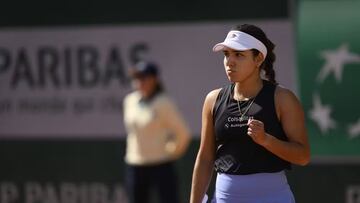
(70, 81)
(329, 64)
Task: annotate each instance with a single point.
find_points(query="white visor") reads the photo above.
(241, 41)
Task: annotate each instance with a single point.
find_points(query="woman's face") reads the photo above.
(145, 84)
(240, 65)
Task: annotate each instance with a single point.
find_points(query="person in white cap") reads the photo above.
(252, 129)
(157, 136)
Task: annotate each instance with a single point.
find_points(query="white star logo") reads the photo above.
(335, 61)
(320, 114)
(354, 129)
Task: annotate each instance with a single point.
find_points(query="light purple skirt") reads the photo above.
(253, 188)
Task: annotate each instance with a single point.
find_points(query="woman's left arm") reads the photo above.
(291, 115)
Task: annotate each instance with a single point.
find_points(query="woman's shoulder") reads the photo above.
(285, 96)
(283, 92)
(213, 94)
(211, 98)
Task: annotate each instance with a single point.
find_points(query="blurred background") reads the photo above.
(63, 78)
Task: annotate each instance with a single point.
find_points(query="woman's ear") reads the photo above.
(259, 59)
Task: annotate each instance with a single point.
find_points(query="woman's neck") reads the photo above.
(247, 89)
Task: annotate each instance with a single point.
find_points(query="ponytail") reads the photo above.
(268, 64)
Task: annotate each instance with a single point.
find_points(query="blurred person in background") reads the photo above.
(252, 129)
(157, 137)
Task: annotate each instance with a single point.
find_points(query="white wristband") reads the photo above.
(205, 198)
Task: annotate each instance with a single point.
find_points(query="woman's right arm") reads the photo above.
(204, 164)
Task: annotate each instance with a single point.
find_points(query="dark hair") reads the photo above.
(259, 34)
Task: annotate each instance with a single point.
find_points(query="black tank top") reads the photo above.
(236, 152)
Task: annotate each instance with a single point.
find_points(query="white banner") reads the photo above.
(70, 81)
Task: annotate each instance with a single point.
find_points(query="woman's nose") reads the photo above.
(229, 61)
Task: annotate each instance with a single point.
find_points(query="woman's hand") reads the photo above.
(257, 132)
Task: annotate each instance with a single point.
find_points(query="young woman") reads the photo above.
(252, 129)
(157, 136)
